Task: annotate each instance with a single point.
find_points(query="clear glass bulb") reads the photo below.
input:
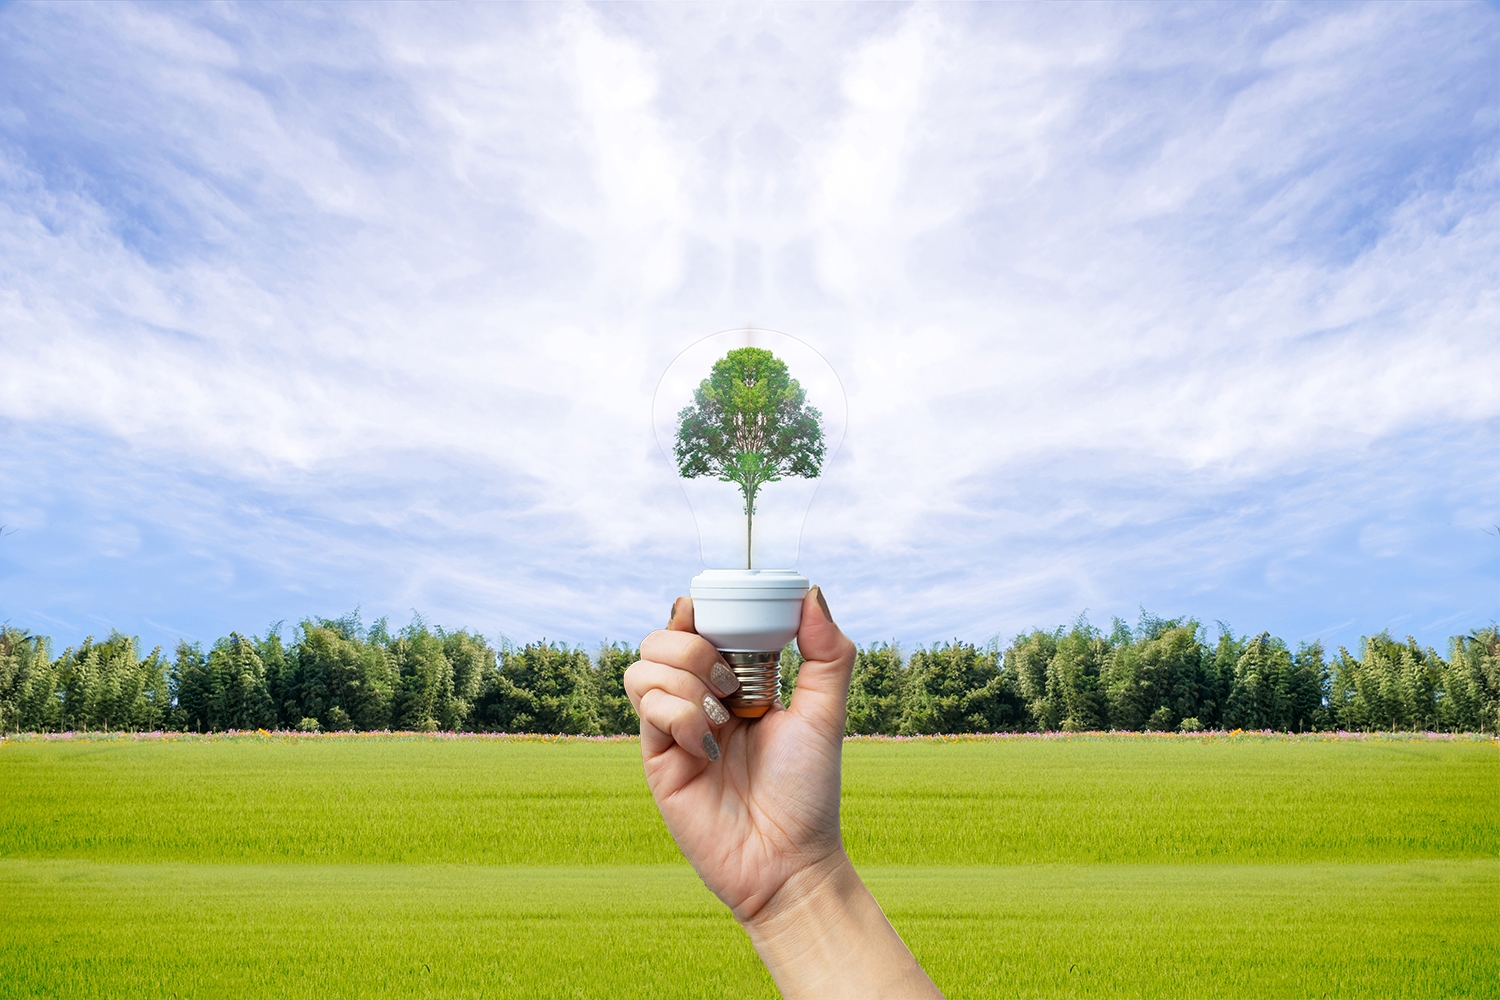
(750, 433)
(774, 535)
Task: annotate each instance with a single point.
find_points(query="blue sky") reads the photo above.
(1191, 308)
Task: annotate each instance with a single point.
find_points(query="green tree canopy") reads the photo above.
(337, 674)
(876, 690)
(616, 714)
(749, 425)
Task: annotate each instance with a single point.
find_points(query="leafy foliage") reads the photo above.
(875, 690)
(616, 714)
(749, 425)
(791, 665)
(545, 688)
(113, 686)
(957, 688)
(1161, 674)
(1468, 683)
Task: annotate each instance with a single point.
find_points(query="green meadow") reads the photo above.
(482, 867)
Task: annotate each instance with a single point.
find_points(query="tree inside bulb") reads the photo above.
(749, 419)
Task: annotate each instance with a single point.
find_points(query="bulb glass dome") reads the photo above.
(750, 487)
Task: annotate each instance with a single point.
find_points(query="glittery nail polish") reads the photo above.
(723, 678)
(710, 746)
(716, 712)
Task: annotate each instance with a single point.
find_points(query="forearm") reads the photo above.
(824, 937)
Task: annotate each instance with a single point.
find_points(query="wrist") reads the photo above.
(817, 892)
(823, 935)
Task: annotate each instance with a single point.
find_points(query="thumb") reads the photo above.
(682, 616)
(828, 661)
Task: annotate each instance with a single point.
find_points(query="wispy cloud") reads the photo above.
(1191, 307)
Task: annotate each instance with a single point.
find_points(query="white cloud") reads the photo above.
(1095, 278)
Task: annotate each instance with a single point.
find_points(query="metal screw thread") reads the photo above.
(760, 682)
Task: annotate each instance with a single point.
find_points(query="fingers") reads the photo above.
(674, 687)
(689, 651)
(668, 720)
(678, 683)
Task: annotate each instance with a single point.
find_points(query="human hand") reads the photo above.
(754, 805)
(751, 802)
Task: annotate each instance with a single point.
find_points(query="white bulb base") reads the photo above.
(750, 615)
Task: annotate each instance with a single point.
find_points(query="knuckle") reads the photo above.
(652, 704)
(653, 641)
(685, 714)
(662, 643)
(703, 655)
(638, 675)
(681, 650)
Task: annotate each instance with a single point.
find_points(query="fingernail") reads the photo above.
(673, 616)
(711, 745)
(818, 593)
(723, 678)
(715, 711)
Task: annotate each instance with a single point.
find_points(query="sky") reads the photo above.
(1190, 309)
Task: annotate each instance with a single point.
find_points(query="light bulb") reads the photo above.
(750, 420)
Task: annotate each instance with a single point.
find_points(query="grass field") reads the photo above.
(374, 867)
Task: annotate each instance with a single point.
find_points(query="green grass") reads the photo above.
(331, 800)
(1166, 801)
(1088, 867)
(82, 929)
(493, 802)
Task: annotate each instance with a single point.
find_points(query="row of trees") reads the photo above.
(1163, 674)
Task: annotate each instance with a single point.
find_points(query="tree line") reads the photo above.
(1161, 674)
